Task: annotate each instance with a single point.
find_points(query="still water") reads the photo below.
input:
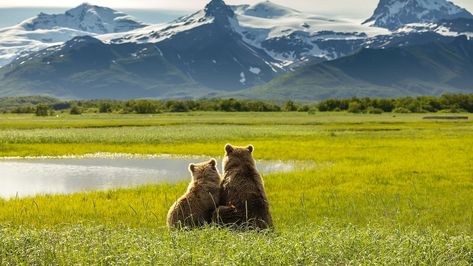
(27, 177)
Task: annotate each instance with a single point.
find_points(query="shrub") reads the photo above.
(105, 107)
(354, 107)
(145, 107)
(290, 106)
(178, 107)
(230, 105)
(75, 110)
(42, 109)
(28, 109)
(304, 108)
(373, 110)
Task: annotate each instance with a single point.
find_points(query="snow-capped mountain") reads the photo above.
(293, 36)
(208, 48)
(287, 35)
(218, 49)
(86, 18)
(46, 30)
(199, 51)
(393, 14)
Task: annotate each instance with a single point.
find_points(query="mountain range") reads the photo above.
(263, 50)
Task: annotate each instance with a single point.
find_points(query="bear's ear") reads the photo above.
(228, 148)
(192, 167)
(251, 148)
(213, 163)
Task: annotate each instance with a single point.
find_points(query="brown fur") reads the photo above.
(243, 200)
(196, 206)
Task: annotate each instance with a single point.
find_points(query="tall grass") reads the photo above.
(326, 244)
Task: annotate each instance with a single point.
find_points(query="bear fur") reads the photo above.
(243, 200)
(195, 207)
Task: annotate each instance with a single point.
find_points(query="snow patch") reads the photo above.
(255, 70)
(242, 78)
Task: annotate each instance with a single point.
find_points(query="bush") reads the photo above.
(290, 106)
(28, 109)
(178, 107)
(333, 105)
(304, 108)
(373, 110)
(231, 105)
(105, 108)
(386, 105)
(354, 107)
(75, 110)
(42, 110)
(145, 107)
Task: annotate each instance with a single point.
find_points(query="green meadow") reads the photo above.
(371, 189)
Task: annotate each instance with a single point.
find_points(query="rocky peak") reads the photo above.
(392, 14)
(219, 10)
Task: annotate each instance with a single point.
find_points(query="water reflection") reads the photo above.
(68, 175)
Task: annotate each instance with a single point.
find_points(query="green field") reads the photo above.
(378, 189)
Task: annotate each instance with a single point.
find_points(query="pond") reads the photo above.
(33, 176)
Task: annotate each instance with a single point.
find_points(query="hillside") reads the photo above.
(430, 69)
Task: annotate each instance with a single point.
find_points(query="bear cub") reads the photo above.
(196, 206)
(243, 200)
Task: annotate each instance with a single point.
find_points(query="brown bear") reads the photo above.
(196, 206)
(243, 201)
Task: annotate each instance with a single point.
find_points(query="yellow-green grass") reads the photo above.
(394, 188)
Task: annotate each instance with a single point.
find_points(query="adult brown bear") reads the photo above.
(243, 200)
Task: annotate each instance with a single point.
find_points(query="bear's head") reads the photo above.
(238, 157)
(205, 172)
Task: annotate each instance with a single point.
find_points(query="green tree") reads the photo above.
(355, 107)
(42, 109)
(304, 108)
(290, 106)
(145, 107)
(75, 110)
(374, 110)
(105, 107)
(230, 105)
(178, 107)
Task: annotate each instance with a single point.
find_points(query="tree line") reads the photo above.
(452, 103)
